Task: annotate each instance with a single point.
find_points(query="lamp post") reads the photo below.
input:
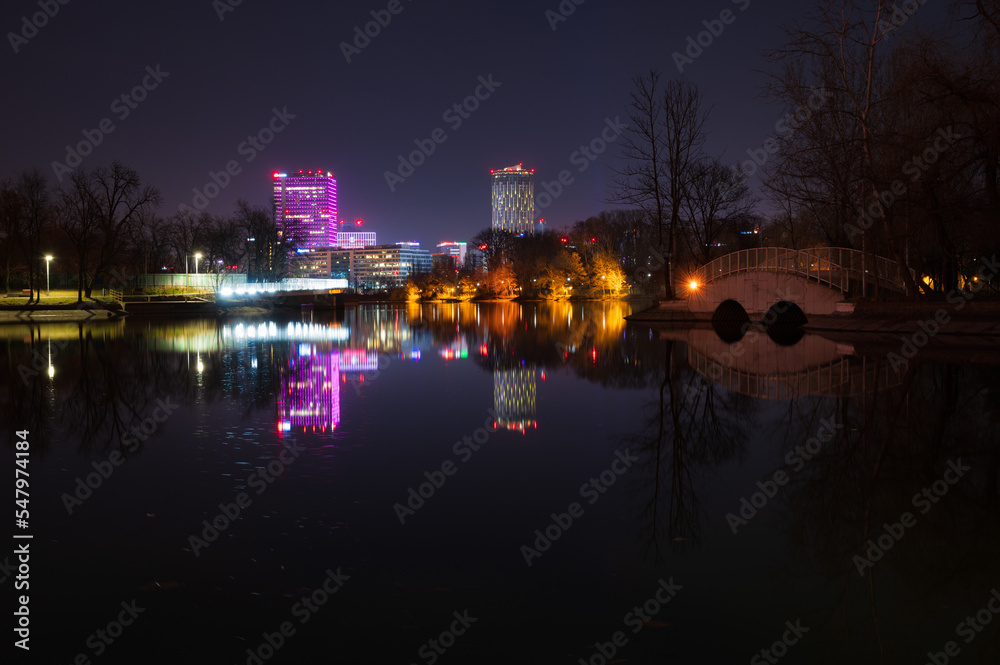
(48, 290)
(197, 259)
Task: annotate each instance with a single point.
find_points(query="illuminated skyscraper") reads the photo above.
(514, 199)
(305, 208)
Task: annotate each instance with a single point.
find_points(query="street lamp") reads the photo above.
(197, 259)
(48, 291)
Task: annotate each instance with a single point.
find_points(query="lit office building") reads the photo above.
(380, 267)
(356, 239)
(305, 208)
(457, 250)
(351, 235)
(514, 199)
(514, 394)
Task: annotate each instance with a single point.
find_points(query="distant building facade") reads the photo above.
(379, 267)
(458, 250)
(476, 258)
(305, 208)
(314, 263)
(356, 239)
(514, 199)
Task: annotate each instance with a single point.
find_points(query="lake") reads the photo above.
(500, 482)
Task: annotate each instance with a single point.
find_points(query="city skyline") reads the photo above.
(206, 107)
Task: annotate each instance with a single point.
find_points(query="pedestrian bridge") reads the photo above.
(814, 280)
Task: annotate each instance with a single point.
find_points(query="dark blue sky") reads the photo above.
(557, 89)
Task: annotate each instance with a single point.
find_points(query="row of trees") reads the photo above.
(890, 144)
(903, 158)
(104, 223)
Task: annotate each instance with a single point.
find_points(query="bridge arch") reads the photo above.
(814, 280)
(730, 321)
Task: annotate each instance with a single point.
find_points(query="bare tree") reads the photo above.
(845, 51)
(661, 144)
(101, 211)
(268, 249)
(719, 198)
(28, 212)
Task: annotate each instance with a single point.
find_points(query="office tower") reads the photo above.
(305, 208)
(456, 250)
(514, 199)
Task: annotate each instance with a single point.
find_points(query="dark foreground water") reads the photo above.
(498, 484)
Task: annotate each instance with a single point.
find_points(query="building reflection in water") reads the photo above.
(310, 389)
(514, 397)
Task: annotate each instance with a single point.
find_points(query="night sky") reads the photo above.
(224, 79)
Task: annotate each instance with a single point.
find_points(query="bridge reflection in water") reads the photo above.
(763, 367)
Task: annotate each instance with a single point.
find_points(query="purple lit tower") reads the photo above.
(305, 208)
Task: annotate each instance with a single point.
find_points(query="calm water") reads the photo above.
(644, 446)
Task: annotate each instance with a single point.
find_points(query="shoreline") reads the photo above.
(970, 318)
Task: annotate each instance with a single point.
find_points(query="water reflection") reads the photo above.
(514, 396)
(310, 389)
(709, 419)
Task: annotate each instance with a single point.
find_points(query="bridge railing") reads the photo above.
(842, 377)
(835, 266)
